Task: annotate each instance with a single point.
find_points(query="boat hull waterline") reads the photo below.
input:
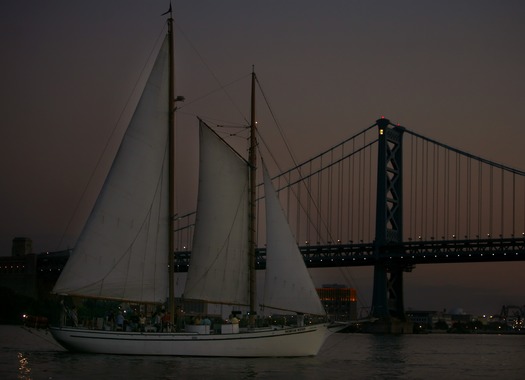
(280, 342)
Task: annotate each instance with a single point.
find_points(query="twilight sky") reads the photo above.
(450, 70)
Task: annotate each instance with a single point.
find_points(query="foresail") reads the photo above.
(218, 270)
(287, 285)
(122, 252)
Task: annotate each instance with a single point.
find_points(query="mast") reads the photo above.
(252, 159)
(171, 126)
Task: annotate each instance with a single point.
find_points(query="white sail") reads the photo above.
(122, 251)
(219, 269)
(287, 285)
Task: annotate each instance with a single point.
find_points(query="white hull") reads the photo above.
(293, 341)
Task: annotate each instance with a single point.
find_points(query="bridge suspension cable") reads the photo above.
(454, 194)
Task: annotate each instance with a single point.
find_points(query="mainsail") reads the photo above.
(287, 284)
(218, 270)
(122, 251)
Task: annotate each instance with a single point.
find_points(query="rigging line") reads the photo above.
(348, 277)
(277, 124)
(353, 138)
(281, 132)
(285, 140)
(221, 87)
(300, 181)
(156, 47)
(287, 145)
(205, 63)
(317, 173)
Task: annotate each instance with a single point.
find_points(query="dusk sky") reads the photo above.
(71, 70)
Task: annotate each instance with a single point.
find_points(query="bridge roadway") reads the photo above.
(405, 254)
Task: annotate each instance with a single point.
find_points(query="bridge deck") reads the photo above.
(407, 253)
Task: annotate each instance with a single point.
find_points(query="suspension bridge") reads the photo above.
(391, 198)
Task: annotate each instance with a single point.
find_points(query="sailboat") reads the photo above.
(125, 251)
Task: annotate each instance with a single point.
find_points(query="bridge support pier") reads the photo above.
(387, 303)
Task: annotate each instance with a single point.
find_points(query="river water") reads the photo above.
(31, 354)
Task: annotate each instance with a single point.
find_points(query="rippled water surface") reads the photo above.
(33, 355)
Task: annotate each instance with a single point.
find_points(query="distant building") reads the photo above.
(21, 246)
(436, 320)
(29, 274)
(339, 301)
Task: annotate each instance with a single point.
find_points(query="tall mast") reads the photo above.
(252, 236)
(171, 125)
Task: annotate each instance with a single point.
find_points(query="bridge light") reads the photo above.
(488, 235)
(453, 236)
(381, 131)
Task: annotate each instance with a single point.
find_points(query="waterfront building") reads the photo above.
(339, 301)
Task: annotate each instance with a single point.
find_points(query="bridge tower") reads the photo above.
(387, 301)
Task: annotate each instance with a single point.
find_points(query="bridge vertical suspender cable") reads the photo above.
(502, 222)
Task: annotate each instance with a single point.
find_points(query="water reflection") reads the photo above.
(388, 355)
(24, 369)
